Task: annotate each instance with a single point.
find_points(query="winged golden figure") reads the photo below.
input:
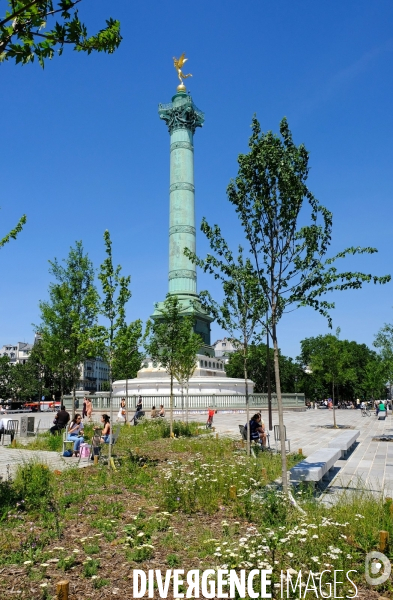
(178, 64)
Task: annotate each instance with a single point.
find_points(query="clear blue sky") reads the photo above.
(83, 148)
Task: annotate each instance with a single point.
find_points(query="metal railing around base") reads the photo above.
(195, 402)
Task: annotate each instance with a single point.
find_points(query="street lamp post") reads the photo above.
(296, 389)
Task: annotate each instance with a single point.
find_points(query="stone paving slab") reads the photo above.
(10, 458)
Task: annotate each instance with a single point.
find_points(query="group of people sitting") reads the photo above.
(75, 428)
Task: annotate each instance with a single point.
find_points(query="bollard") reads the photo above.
(96, 459)
(232, 492)
(197, 431)
(13, 443)
(62, 590)
(216, 436)
(213, 429)
(300, 451)
(383, 540)
(242, 443)
(264, 474)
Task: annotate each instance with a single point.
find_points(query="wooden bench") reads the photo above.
(316, 466)
(344, 441)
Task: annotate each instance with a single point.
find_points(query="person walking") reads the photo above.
(121, 415)
(89, 408)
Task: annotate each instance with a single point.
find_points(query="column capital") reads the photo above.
(181, 113)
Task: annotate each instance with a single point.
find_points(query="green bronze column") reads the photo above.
(182, 118)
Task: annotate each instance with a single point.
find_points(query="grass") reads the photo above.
(193, 502)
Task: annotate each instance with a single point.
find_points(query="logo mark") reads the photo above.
(377, 568)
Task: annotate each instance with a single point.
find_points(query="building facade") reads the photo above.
(17, 353)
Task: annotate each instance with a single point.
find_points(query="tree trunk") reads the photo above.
(334, 410)
(171, 408)
(284, 472)
(269, 383)
(110, 420)
(187, 401)
(126, 399)
(247, 400)
(73, 401)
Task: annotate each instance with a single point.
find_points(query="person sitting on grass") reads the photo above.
(162, 411)
(257, 429)
(154, 412)
(106, 432)
(75, 433)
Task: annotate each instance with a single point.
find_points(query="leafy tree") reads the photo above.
(115, 297)
(5, 378)
(384, 343)
(291, 373)
(127, 357)
(243, 305)
(353, 365)
(69, 317)
(170, 341)
(274, 205)
(25, 32)
(186, 364)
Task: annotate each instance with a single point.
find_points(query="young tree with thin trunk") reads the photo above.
(243, 305)
(170, 340)
(187, 361)
(127, 357)
(116, 294)
(288, 234)
(68, 318)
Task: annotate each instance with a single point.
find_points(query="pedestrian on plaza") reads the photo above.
(60, 421)
(121, 415)
(84, 413)
(376, 406)
(357, 403)
(89, 408)
(138, 411)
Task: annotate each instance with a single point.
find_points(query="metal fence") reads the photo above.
(195, 402)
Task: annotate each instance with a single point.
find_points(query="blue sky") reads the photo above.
(83, 148)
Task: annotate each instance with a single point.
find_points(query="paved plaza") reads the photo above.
(370, 462)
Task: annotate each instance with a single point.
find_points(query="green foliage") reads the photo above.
(127, 358)
(287, 234)
(25, 33)
(91, 567)
(384, 343)
(353, 369)
(69, 317)
(115, 297)
(170, 341)
(14, 232)
(257, 369)
(33, 483)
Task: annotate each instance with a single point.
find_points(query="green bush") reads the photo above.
(33, 484)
